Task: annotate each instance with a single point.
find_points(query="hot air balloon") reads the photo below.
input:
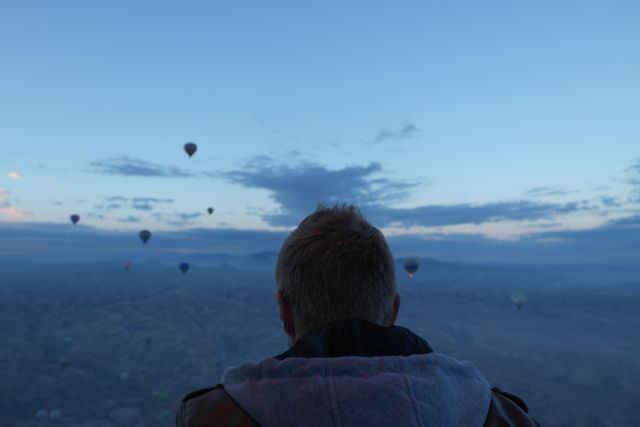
(74, 218)
(411, 265)
(210, 210)
(145, 235)
(518, 298)
(184, 267)
(126, 265)
(190, 148)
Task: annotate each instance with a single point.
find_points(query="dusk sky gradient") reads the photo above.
(498, 119)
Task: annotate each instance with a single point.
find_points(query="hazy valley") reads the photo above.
(109, 348)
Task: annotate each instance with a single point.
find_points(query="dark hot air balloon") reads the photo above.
(184, 267)
(74, 218)
(126, 265)
(411, 266)
(145, 235)
(210, 210)
(190, 148)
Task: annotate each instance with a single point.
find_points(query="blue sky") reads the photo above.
(498, 119)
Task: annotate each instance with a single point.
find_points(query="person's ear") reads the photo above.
(394, 309)
(286, 315)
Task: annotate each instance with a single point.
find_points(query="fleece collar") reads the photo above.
(356, 374)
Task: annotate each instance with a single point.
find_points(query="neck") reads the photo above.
(354, 337)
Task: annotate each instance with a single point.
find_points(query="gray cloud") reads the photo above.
(94, 215)
(112, 203)
(189, 216)
(298, 189)
(610, 202)
(547, 191)
(117, 199)
(148, 203)
(635, 170)
(129, 219)
(137, 203)
(178, 219)
(128, 166)
(634, 180)
(630, 222)
(405, 132)
(442, 215)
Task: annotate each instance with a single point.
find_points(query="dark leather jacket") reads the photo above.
(215, 407)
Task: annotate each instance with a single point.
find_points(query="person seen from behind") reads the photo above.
(348, 365)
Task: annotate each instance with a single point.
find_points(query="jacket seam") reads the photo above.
(333, 404)
(412, 395)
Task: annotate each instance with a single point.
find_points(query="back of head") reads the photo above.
(335, 266)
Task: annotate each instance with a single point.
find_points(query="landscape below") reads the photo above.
(95, 345)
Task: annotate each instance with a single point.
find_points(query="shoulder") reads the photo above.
(508, 410)
(212, 406)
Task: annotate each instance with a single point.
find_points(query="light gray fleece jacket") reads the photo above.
(418, 390)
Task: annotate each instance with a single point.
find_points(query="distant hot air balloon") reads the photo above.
(411, 266)
(145, 235)
(74, 218)
(518, 298)
(184, 267)
(148, 341)
(190, 148)
(210, 210)
(126, 265)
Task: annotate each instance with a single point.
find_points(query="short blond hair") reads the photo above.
(335, 266)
